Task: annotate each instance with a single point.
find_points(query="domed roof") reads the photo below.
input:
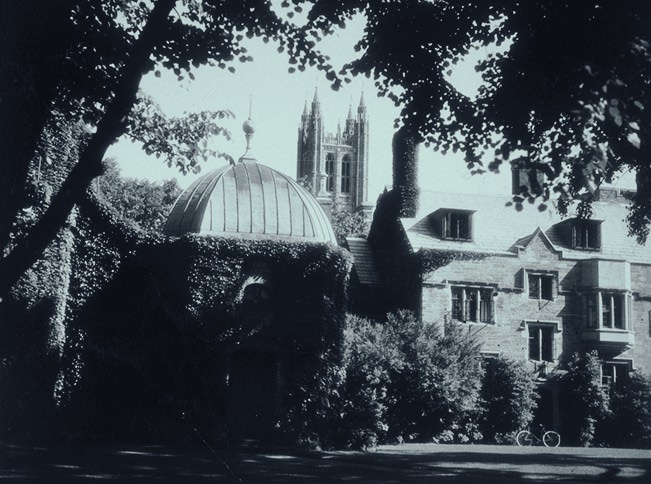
(249, 200)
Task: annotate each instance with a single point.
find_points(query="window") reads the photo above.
(345, 174)
(541, 286)
(330, 172)
(541, 342)
(614, 310)
(456, 225)
(593, 320)
(613, 373)
(473, 304)
(586, 234)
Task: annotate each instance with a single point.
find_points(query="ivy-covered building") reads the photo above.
(229, 322)
(531, 285)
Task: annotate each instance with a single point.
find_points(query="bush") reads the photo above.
(510, 394)
(630, 422)
(408, 380)
(584, 400)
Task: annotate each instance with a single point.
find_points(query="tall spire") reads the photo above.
(316, 104)
(305, 111)
(361, 109)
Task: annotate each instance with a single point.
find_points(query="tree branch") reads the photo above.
(28, 250)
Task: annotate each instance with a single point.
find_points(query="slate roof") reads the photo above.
(498, 229)
(249, 200)
(364, 261)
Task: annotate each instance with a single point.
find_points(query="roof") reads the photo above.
(249, 200)
(363, 261)
(499, 229)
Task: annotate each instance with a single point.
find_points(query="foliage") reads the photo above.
(583, 399)
(142, 202)
(90, 58)
(346, 223)
(177, 313)
(408, 381)
(181, 141)
(582, 112)
(629, 425)
(509, 391)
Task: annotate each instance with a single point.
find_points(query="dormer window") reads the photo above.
(456, 225)
(586, 234)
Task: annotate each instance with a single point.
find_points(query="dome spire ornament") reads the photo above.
(249, 129)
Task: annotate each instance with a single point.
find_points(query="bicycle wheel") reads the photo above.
(551, 439)
(524, 438)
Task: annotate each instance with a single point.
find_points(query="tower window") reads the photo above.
(330, 172)
(586, 234)
(345, 174)
(456, 225)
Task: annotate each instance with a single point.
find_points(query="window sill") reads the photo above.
(474, 322)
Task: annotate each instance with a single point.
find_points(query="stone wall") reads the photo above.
(566, 312)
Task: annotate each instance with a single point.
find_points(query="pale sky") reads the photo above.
(278, 100)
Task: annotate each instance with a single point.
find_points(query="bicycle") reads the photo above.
(527, 438)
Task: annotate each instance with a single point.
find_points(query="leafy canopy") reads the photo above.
(569, 96)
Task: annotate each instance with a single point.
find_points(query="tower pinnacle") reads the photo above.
(316, 104)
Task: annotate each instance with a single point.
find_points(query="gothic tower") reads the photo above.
(334, 165)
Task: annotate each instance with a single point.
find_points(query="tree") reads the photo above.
(510, 394)
(346, 223)
(629, 424)
(86, 59)
(145, 203)
(568, 98)
(585, 401)
(408, 379)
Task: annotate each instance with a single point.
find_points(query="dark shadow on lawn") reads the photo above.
(199, 464)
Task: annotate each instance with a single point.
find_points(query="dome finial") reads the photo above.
(249, 129)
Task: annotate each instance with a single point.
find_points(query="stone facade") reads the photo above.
(334, 165)
(530, 285)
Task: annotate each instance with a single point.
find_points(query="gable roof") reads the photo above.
(363, 261)
(498, 228)
(525, 242)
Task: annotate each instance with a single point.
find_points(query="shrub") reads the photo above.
(584, 400)
(510, 394)
(630, 422)
(408, 380)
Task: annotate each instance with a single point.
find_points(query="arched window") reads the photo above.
(256, 306)
(330, 172)
(345, 174)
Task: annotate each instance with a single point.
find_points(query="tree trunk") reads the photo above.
(34, 36)
(28, 250)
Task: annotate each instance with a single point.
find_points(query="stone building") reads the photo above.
(531, 285)
(335, 165)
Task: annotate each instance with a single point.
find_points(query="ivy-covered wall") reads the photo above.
(151, 325)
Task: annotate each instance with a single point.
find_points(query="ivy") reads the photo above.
(431, 259)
